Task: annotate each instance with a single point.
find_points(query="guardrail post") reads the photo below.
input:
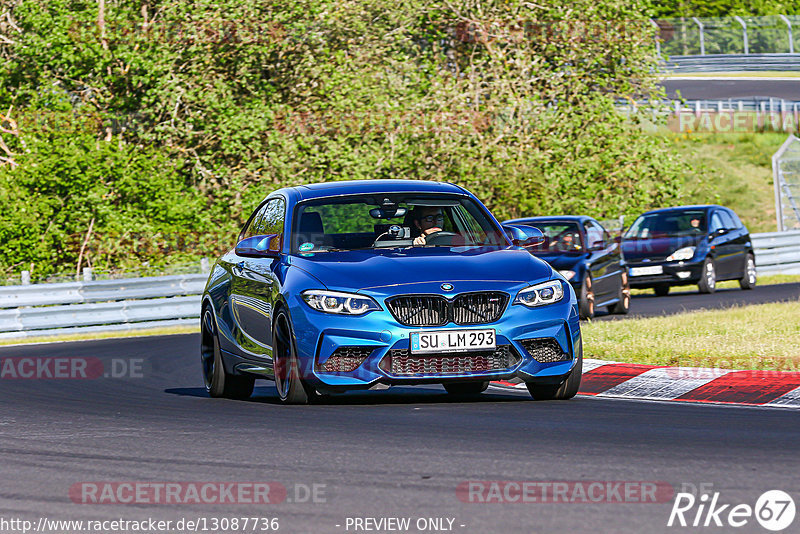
(87, 274)
(204, 266)
(26, 278)
(789, 28)
(702, 36)
(740, 20)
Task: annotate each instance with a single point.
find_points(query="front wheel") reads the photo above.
(748, 280)
(288, 381)
(218, 382)
(708, 277)
(566, 390)
(623, 306)
(466, 388)
(586, 301)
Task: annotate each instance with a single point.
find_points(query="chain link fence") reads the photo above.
(786, 174)
(700, 36)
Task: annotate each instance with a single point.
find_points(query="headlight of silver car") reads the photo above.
(685, 253)
(541, 294)
(338, 302)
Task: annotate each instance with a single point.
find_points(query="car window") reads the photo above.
(268, 220)
(668, 224)
(737, 223)
(716, 223)
(594, 234)
(361, 221)
(727, 220)
(558, 236)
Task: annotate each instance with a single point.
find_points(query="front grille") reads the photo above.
(346, 359)
(422, 310)
(434, 310)
(546, 350)
(400, 362)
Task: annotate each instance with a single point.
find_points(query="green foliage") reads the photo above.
(187, 113)
(722, 8)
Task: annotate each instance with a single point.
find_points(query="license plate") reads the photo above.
(452, 341)
(644, 271)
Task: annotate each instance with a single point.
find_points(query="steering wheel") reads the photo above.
(440, 238)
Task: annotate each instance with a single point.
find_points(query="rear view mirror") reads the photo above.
(259, 246)
(387, 212)
(524, 236)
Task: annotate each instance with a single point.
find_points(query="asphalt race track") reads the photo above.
(687, 298)
(713, 89)
(395, 453)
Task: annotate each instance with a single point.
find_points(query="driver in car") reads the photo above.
(428, 220)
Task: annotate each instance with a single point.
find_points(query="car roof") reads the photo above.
(685, 208)
(551, 218)
(377, 186)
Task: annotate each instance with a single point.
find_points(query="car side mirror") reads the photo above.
(522, 235)
(259, 246)
(719, 232)
(596, 246)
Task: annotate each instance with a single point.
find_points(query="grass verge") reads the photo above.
(103, 335)
(764, 336)
(769, 280)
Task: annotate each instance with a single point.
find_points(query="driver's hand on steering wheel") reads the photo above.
(421, 239)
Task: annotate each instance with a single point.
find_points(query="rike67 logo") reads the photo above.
(774, 510)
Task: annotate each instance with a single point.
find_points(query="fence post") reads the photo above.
(740, 20)
(204, 267)
(87, 274)
(658, 37)
(702, 36)
(789, 28)
(26, 278)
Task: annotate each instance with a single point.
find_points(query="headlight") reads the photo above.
(541, 294)
(336, 302)
(685, 253)
(569, 275)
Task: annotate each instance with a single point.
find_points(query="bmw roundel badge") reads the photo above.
(447, 287)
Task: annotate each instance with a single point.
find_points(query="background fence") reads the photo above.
(135, 303)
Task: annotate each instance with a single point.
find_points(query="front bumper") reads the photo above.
(319, 336)
(675, 273)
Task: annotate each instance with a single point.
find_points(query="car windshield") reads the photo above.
(559, 236)
(668, 224)
(391, 221)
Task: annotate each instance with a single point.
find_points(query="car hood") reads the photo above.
(656, 249)
(371, 269)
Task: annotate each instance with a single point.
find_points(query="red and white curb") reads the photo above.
(686, 384)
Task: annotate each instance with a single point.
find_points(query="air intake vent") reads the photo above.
(346, 359)
(545, 350)
(401, 363)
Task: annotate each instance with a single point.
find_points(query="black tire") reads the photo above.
(218, 382)
(623, 306)
(749, 278)
(661, 290)
(466, 388)
(563, 391)
(288, 381)
(586, 299)
(708, 277)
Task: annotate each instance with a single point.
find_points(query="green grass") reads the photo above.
(769, 280)
(764, 336)
(739, 170)
(103, 335)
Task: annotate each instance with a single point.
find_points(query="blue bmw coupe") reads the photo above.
(369, 284)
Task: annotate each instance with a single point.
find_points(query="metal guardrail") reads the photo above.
(76, 307)
(777, 252)
(126, 304)
(733, 63)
